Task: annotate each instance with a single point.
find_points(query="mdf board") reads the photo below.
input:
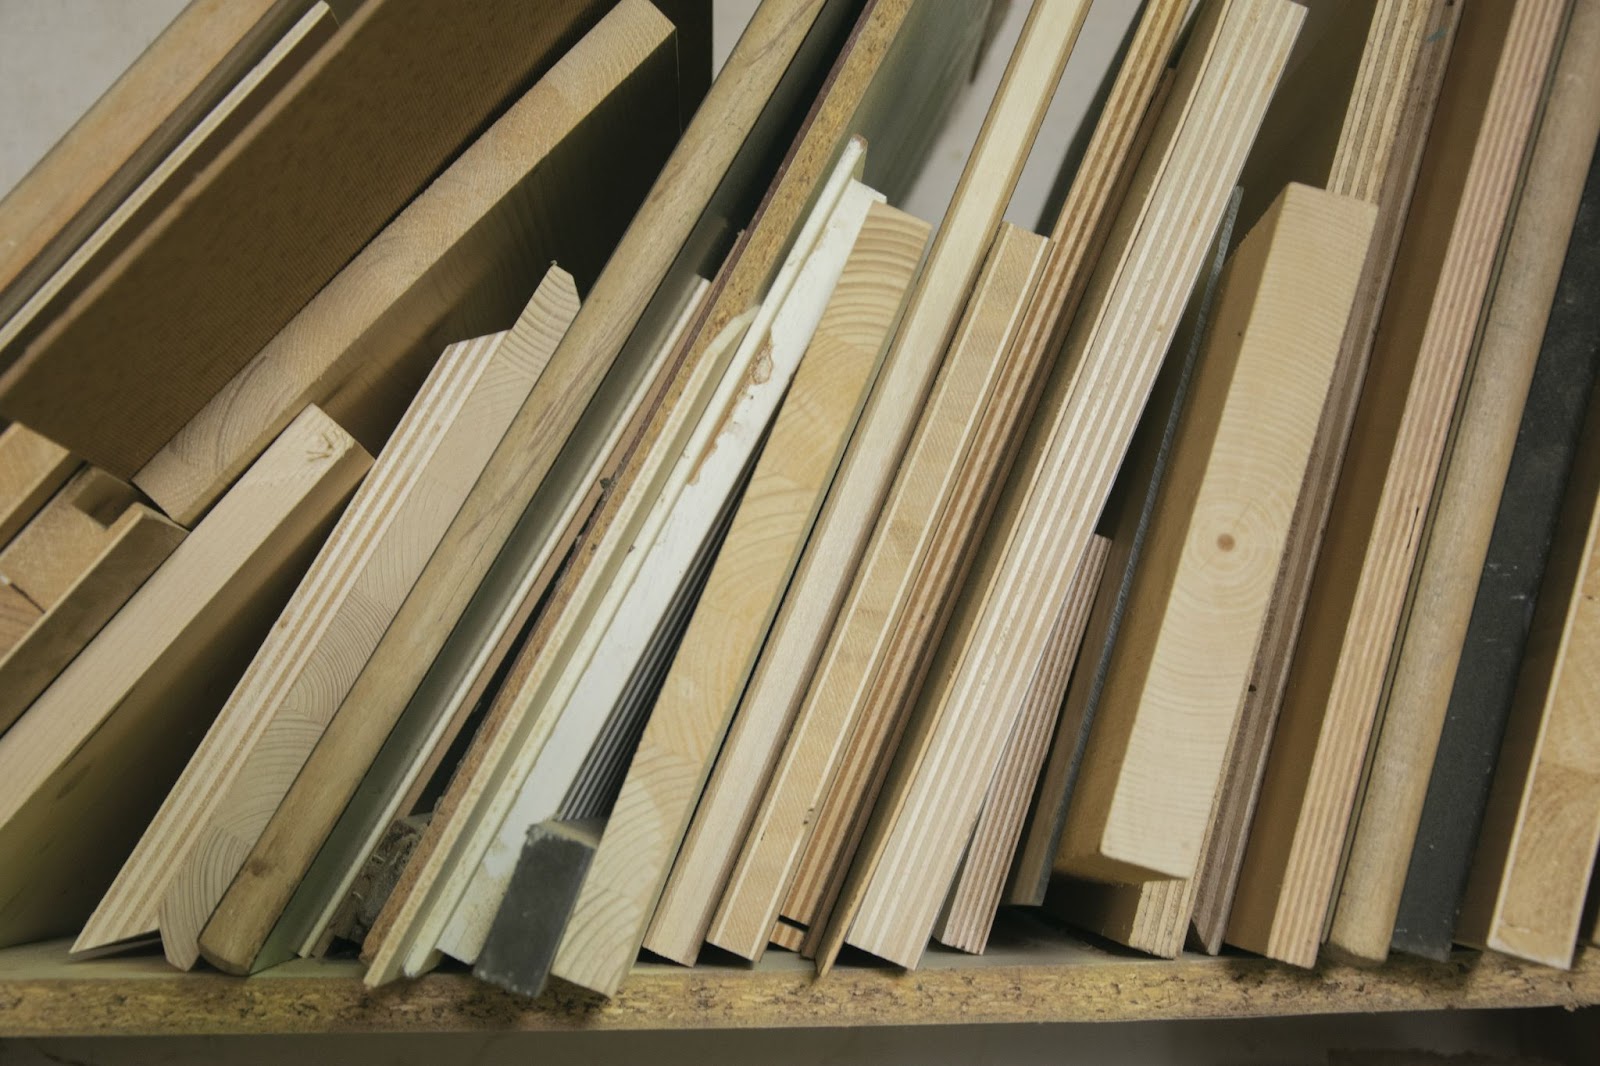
(74, 566)
(319, 644)
(86, 768)
(379, 110)
(1180, 667)
(32, 468)
(1431, 313)
(1457, 539)
(788, 488)
(1550, 442)
(553, 179)
(969, 909)
(173, 84)
(1044, 519)
(1530, 874)
(708, 174)
(210, 136)
(1388, 178)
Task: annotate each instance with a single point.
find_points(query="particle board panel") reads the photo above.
(101, 744)
(743, 116)
(969, 910)
(1457, 540)
(798, 464)
(1430, 316)
(556, 178)
(1044, 518)
(1180, 667)
(32, 468)
(377, 112)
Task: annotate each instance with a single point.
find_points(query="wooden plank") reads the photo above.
(32, 468)
(145, 113)
(74, 566)
(1384, 164)
(1431, 312)
(459, 262)
(1435, 629)
(747, 102)
(101, 744)
(172, 174)
(1180, 669)
(1541, 828)
(1550, 442)
(375, 114)
(17, 615)
(969, 909)
(787, 492)
(527, 929)
(1043, 521)
(298, 678)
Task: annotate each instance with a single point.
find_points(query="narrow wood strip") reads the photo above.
(32, 468)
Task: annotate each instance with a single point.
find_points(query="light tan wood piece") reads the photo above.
(355, 136)
(1463, 518)
(1430, 316)
(784, 496)
(210, 136)
(1044, 518)
(1384, 166)
(1180, 668)
(128, 131)
(969, 909)
(75, 565)
(638, 280)
(17, 616)
(296, 682)
(458, 262)
(32, 468)
(99, 748)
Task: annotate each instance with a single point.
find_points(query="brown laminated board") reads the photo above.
(1431, 313)
(87, 766)
(358, 132)
(1462, 521)
(555, 178)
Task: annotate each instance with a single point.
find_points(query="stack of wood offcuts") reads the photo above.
(480, 491)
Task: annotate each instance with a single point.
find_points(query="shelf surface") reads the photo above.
(1030, 974)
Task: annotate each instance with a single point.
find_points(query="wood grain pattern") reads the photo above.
(32, 468)
(553, 179)
(1270, 673)
(1462, 521)
(1059, 483)
(1430, 316)
(1180, 668)
(969, 909)
(74, 566)
(789, 486)
(99, 747)
(207, 285)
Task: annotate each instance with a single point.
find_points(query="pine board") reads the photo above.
(101, 744)
(32, 468)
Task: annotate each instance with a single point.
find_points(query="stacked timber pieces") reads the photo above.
(1430, 649)
(1420, 355)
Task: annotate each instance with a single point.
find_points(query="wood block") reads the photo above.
(32, 468)
(167, 181)
(527, 929)
(1550, 444)
(555, 178)
(1043, 521)
(709, 155)
(1457, 541)
(1425, 336)
(74, 566)
(17, 616)
(374, 115)
(126, 134)
(1180, 668)
(784, 497)
(101, 745)
(969, 909)
(1358, 171)
(265, 731)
